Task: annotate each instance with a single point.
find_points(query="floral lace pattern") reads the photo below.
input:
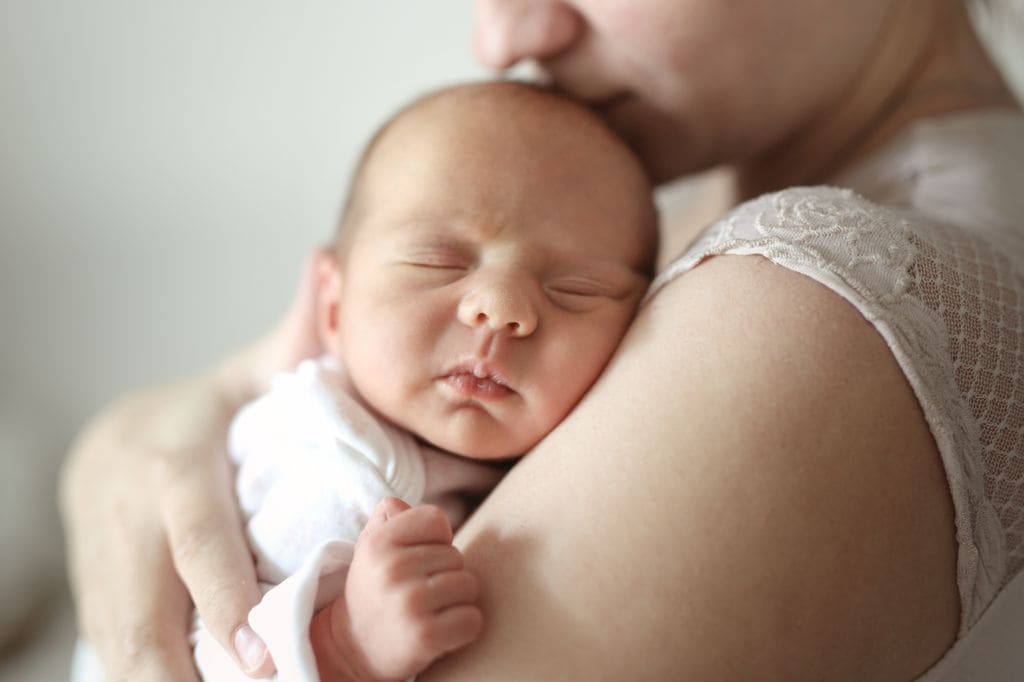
(950, 307)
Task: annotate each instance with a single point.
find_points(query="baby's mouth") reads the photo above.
(468, 385)
(476, 381)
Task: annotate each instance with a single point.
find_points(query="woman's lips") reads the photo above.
(606, 104)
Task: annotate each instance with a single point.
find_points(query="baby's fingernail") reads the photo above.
(250, 648)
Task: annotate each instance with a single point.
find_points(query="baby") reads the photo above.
(493, 250)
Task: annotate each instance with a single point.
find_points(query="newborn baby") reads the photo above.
(494, 247)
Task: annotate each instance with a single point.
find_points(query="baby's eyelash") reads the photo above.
(568, 291)
(440, 260)
(578, 288)
(437, 265)
(437, 257)
(576, 296)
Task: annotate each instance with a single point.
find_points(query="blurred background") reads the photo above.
(164, 167)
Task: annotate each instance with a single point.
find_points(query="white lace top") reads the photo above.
(927, 242)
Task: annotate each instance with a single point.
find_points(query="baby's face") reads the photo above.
(495, 266)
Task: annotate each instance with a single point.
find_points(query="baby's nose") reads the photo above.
(507, 31)
(503, 306)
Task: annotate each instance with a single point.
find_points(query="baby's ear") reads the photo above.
(328, 300)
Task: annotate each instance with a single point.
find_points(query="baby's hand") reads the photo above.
(407, 598)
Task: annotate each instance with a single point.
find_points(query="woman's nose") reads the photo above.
(501, 304)
(509, 30)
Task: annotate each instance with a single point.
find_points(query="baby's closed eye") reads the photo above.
(579, 293)
(445, 259)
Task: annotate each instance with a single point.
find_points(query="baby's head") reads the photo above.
(496, 242)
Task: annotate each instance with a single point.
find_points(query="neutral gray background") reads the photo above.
(164, 166)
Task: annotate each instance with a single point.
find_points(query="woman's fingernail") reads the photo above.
(250, 648)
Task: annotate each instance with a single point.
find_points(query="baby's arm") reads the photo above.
(407, 599)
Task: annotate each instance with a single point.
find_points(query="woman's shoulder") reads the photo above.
(947, 299)
(748, 481)
(874, 253)
(856, 247)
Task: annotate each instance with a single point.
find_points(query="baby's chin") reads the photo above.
(490, 447)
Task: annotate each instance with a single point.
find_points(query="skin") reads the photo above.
(174, 434)
(481, 252)
(407, 599)
(487, 254)
(693, 84)
(798, 527)
(741, 533)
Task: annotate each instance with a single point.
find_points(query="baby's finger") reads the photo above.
(457, 627)
(210, 555)
(451, 588)
(386, 509)
(420, 525)
(427, 560)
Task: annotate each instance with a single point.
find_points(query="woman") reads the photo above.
(800, 465)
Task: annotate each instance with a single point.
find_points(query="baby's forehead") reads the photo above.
(484, 112)
(472, 147)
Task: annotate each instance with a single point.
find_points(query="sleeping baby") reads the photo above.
(495, 244)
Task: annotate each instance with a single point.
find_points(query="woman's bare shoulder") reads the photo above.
(750, 491)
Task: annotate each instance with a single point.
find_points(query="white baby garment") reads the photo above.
(313, 462)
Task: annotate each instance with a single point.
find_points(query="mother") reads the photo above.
(805, 461)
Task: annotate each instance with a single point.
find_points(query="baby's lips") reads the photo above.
(480, 369)
(468, 385)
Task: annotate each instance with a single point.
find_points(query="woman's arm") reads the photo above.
(130, 492)
(146, 496)
(749, 492)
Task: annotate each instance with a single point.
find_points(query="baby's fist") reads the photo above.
(408, 597)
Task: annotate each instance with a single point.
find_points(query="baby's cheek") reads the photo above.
(568, 379)
(558, 399)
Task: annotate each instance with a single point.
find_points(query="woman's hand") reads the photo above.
(148, 483)
(150, 516)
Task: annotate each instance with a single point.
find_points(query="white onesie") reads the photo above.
(313, 461)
